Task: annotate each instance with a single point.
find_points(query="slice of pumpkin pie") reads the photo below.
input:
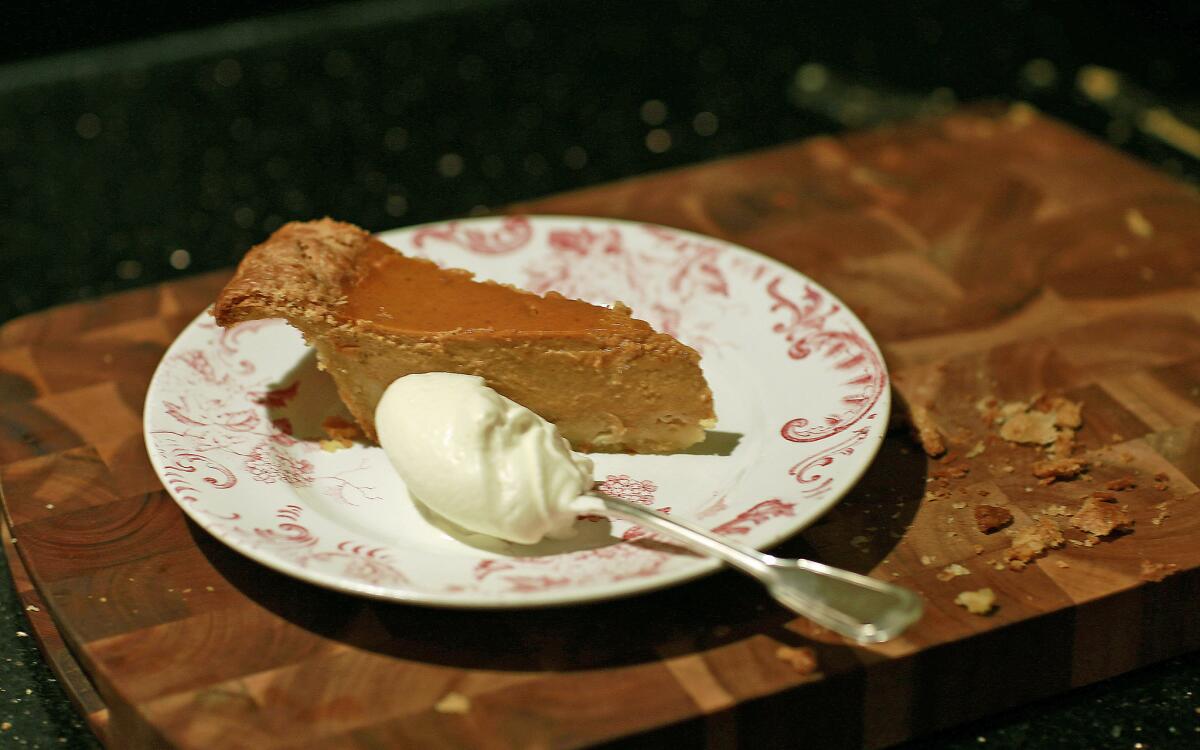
(609, 381)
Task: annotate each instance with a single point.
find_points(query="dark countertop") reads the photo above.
(166, 156)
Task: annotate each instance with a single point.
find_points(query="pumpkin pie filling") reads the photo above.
(606, 379)
(399, 293)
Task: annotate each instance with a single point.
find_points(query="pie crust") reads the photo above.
(608, 380)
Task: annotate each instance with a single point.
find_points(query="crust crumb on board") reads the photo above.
(1101, 516)
(1162, 481)
(1156, 571)
(1138, 224)
(926, 430)
(953, 471)
(1058, 469)
(453, 703)
(1119, 485)
(1029, 428)
(952, 571)
(1067, 413)
(1046, 421)
(918, 388)
(989, 518)
(1031, 541)
(802, 659)
(978, 602)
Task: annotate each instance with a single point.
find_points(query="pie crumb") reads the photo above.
(926, 431)
(951, 571)
(1124, 483)
(1055, 469)
(1156, 571)
(803, 659)
(1046, 421)
(1138, 224)
(1101, 517)
(333, 446)
(953, 471)
(1068, 414)
(339, 428)
(1032, 541)
(989, 518)
(979, 602)
(453, 703)
(1029, 428)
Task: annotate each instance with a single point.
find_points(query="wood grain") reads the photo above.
(994, 253)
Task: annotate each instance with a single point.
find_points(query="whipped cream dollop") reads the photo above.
(482, 461)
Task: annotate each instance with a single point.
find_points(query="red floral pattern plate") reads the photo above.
(233, 424)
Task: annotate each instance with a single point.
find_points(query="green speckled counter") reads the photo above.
(34, 710)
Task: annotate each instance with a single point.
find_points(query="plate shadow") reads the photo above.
(694, 617)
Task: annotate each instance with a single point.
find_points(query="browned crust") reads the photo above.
(1101, 516)
(300, 272)
(990, 518)
(1032, 541)
(302, 261)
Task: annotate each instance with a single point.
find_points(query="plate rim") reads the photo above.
(551, 597)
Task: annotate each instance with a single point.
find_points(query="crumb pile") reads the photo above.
(1049, 425)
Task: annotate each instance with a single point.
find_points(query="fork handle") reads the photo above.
(695, 538)
(858, 607)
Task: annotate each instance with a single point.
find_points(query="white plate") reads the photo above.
(233, 418)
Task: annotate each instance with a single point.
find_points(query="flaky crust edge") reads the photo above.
(297, 273)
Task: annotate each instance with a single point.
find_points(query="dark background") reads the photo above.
(146, 141)
(114, 158)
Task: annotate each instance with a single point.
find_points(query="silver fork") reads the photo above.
(858, 607)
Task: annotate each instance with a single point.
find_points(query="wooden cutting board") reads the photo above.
(994, 253)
